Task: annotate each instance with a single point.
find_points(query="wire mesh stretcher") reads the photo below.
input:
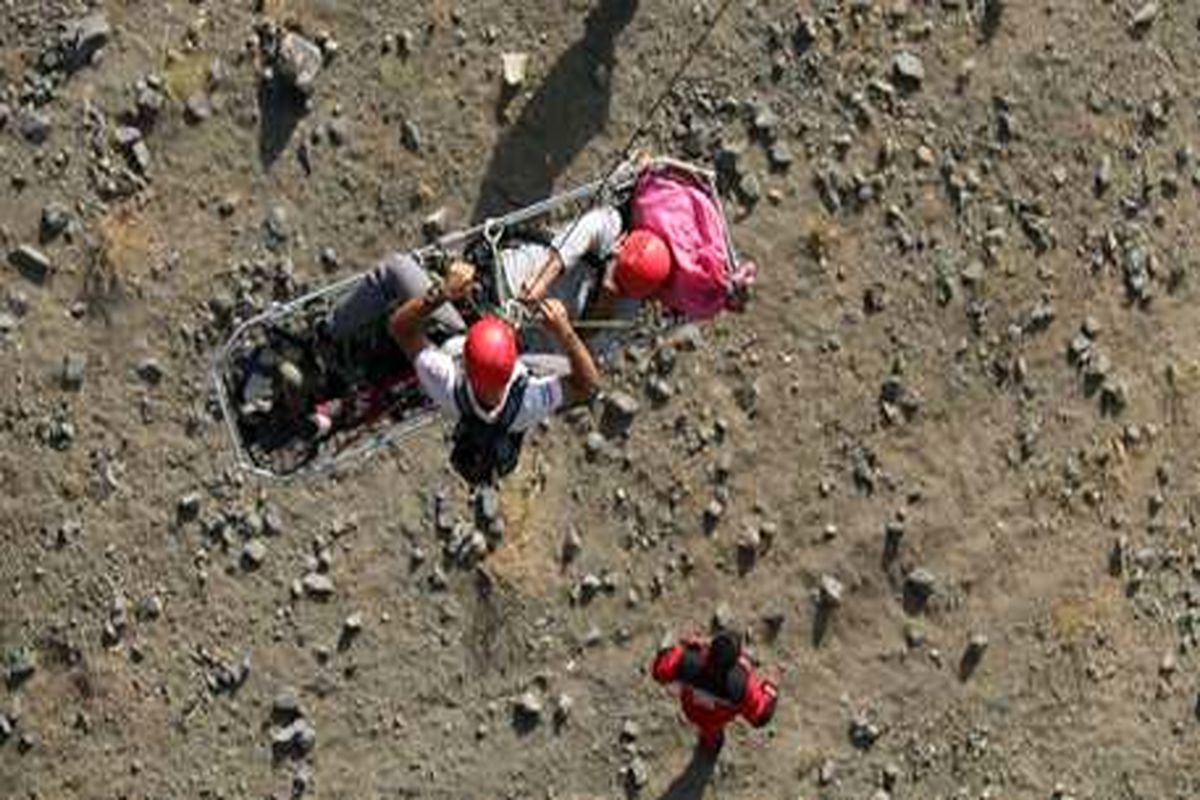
(272, 372)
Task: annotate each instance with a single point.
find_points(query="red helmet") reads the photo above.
(491, 356)
(643, 264)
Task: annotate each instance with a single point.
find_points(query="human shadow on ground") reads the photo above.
(570, 107)
(280, 109)
(691, 784)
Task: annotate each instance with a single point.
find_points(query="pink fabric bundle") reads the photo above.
(687, 218)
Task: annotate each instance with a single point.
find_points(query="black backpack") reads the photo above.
(486, 451)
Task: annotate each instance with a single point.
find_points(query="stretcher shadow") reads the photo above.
(569, 108)
(691, 784)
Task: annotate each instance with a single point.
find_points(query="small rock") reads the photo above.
(55, 219)
(1103, 176)
(33, 126)
(779, 156)
(829, 592)
(618, 414)
(723, 618)
(1144, 16)
(74, 366)
(297, 739)
(636, 774)
(84, 38)
(20, 667)
(286, 705)
(254, 552)
(299, 62)
(410, 136)
(276, 227)
(572, 545)
(908, 70)
(919, 586)
(317, 585)
(150, 104)
(976, 647)
(514, 67)
(433, 227)
(187, 508)
(150, 371)
(563, 705)
(864, 733)
(528, 708)
(198, 108)
(31, 262)
(139, 156)
(352, 626)
(6, 729)
(750, 188)
(487, 507)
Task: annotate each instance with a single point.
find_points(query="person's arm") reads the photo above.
(595, 232)
(406, 323)
(666, 664)
(552, 267)
(585, 376)
(760, 701)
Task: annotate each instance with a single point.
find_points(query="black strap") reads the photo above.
(512, 403)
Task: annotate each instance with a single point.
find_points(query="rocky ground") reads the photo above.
(943, 472)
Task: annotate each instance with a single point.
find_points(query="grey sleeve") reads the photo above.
(596, 232)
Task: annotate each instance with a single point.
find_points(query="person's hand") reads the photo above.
(459, 278)
(526, 296)
(554, 314)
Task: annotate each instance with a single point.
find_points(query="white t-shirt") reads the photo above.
(438, 371)
(595, 233)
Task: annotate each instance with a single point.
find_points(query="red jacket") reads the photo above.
(709, 702)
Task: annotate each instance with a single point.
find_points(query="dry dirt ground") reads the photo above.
(911, 407)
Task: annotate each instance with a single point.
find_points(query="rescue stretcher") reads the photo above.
(271, 373)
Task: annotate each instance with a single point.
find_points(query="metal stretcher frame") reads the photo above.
(596, 192)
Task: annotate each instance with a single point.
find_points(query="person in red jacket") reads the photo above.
(717, 685)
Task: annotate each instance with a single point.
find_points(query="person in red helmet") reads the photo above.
(717, 685)
(492, 396)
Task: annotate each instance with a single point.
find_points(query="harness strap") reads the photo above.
(512, 404)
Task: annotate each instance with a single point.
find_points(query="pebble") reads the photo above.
(33, 126)
(618, 414)
(410, 136)
(513, 68)
(187, 508)
(317, 585)
(528, 707)
(920, 585)
(572, 545)
(908, 69)
(298, 738)
(150, 371)
(254, 552)
(21, 667)
(299, 62)
(829, 592)
(55, 219)
(636, 774)
(779, 156)
(1144, 16)
(286, 705)
(85, 37)
(73, 369)
(31, 262)
(198, 108)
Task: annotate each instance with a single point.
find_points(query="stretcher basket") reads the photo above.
(248, 362)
